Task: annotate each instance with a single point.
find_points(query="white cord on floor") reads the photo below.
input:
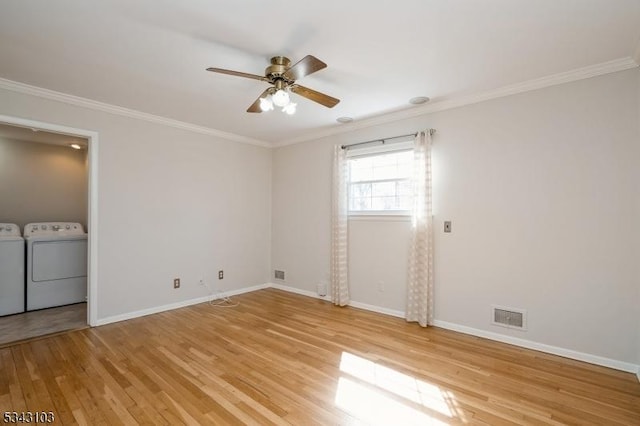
(220, 301)
(223, 302)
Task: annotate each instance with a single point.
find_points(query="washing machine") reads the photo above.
(11, 269)
(56, 264)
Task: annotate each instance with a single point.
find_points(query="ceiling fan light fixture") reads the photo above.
(266, 104)
(290, 108)
(280, 98)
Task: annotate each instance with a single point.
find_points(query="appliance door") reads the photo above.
(56, 271)
(56, 260)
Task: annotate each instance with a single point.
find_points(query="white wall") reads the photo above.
(541, 188)
(42, 183)
(172, 203)
(378, 259)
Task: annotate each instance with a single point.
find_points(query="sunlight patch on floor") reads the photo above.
(359, 399)
(373, 407)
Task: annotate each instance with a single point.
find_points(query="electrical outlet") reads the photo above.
(220, 274)
(381, 286)
(201, 282)
(176, 283)
(447, 226)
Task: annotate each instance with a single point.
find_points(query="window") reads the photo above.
(380, 183)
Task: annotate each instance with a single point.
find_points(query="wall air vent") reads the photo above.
(509, 317)
(279, 275)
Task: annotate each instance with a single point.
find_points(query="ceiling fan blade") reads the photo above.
(307, 65)
(311, 94)
(255, 107)
(238, 74)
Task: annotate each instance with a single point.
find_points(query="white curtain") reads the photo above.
(339, 229)
(420, 274)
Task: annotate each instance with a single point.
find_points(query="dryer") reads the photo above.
(56, 264)
(11, 269)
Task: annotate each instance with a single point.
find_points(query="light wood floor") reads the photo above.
(280, 358)
(32, 324)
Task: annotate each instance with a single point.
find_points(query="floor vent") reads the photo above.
(509, 317)
(279, 275)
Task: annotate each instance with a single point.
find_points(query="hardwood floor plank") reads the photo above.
(146, 406)
(23, 380)
(5, 377)
(44, 359)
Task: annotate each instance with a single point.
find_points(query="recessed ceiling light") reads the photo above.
(75, 146)
(419, 100)
(344, 120)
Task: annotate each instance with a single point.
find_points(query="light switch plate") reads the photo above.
(447, 226)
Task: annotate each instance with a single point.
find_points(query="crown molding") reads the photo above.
(434, 106)
(459, 101)
(27, 89)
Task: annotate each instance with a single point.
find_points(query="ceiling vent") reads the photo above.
(509, 317)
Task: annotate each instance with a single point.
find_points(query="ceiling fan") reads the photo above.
(283, 78)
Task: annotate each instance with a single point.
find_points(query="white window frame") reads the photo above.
(399, 146)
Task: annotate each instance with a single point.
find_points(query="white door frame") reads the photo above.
(92, 220)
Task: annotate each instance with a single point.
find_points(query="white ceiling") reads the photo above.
(151, 55)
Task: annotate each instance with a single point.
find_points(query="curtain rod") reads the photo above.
(384, 140)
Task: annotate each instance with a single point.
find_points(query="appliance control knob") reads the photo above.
(43, 227)
(8, 228)
(68, 227)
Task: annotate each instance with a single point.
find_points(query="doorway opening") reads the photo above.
(54, 319)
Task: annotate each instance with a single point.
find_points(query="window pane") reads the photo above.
(404, 187)
(361, 169)
(380, 189)
(404, 202)
(359, 190)
(385, 172)
(360, 204)
(381, 182)
(359, 174)
(386, 160)
(384, 203)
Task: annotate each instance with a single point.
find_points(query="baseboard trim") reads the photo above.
(298, 291)
(177, 305)
(231, 293)
(377, 309)
(151, 311)
(554, 350)
(353, 304)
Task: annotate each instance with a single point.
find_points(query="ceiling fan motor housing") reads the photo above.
(279, 65)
